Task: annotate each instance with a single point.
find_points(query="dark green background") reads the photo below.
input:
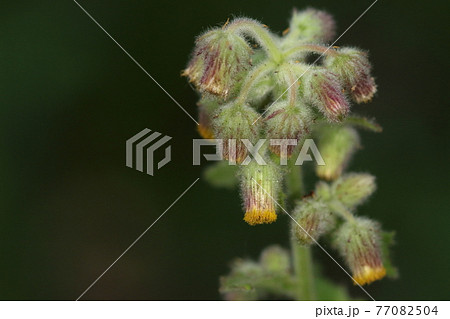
(69, 98)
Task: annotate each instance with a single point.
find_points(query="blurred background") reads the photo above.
(70, 98)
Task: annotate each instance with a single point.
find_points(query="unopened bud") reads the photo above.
(314, 218)
(311, 25)
(358, 242)
(353, 189)
(336, 145)
(287, 124)
(219, 61)
(260, 185)
(232, 124)
(323, 89)
(353, 68)
(275, 259)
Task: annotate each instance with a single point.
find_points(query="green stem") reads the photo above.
(337, 208)
(257, 31)
(301, 255)
(304, 272)
(251, 79)
(294, 179)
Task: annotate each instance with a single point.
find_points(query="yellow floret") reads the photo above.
(255, 217)
(205, 132)
(369, 274)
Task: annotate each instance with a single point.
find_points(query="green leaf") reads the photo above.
(221, 175)
(387, 240)
(364, 122)
(250, 280)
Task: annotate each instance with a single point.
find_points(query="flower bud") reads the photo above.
(287, 122)
(315, 219)
(336, 145)
(353, 68)
(310, 26)
(275, 259)
(323, 89)
(358, 242)
(232, 124)
(219, 61)
(260, 185)
(353, 189)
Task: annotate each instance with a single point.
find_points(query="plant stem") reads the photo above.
(251, 79)
(340, 209)
(294, 179)
(301, 255)
(257, 31)
(304, 273)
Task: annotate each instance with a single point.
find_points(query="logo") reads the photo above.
(140, 151)
(253, 151)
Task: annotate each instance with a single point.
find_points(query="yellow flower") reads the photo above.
(255, 216)
(205, 131)
(260, 186)
(368, 274)
(359, 243)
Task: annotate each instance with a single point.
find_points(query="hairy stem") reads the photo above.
(259, 71)
(257, 31)
(337, 208)
(301, 255)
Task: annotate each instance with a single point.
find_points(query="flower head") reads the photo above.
(285, 123)
(260, 185)
(336, 145)
(233, 123)
(354, 70)
(219, 61)
(311, 25)
(314, 218)
(323, 89)
(354, 188)
(358, 242)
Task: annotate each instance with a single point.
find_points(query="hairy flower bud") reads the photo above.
(323, 89)
(311, 25)
(336, 145)
(232, 124)
(287, 123)
(219, 62)
(275, 259)
(260, 185)
(315, 219)
(358, 242)
(353, 68)
(353, 189)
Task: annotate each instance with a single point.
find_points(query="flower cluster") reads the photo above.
(257, 85)
(357, 239)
